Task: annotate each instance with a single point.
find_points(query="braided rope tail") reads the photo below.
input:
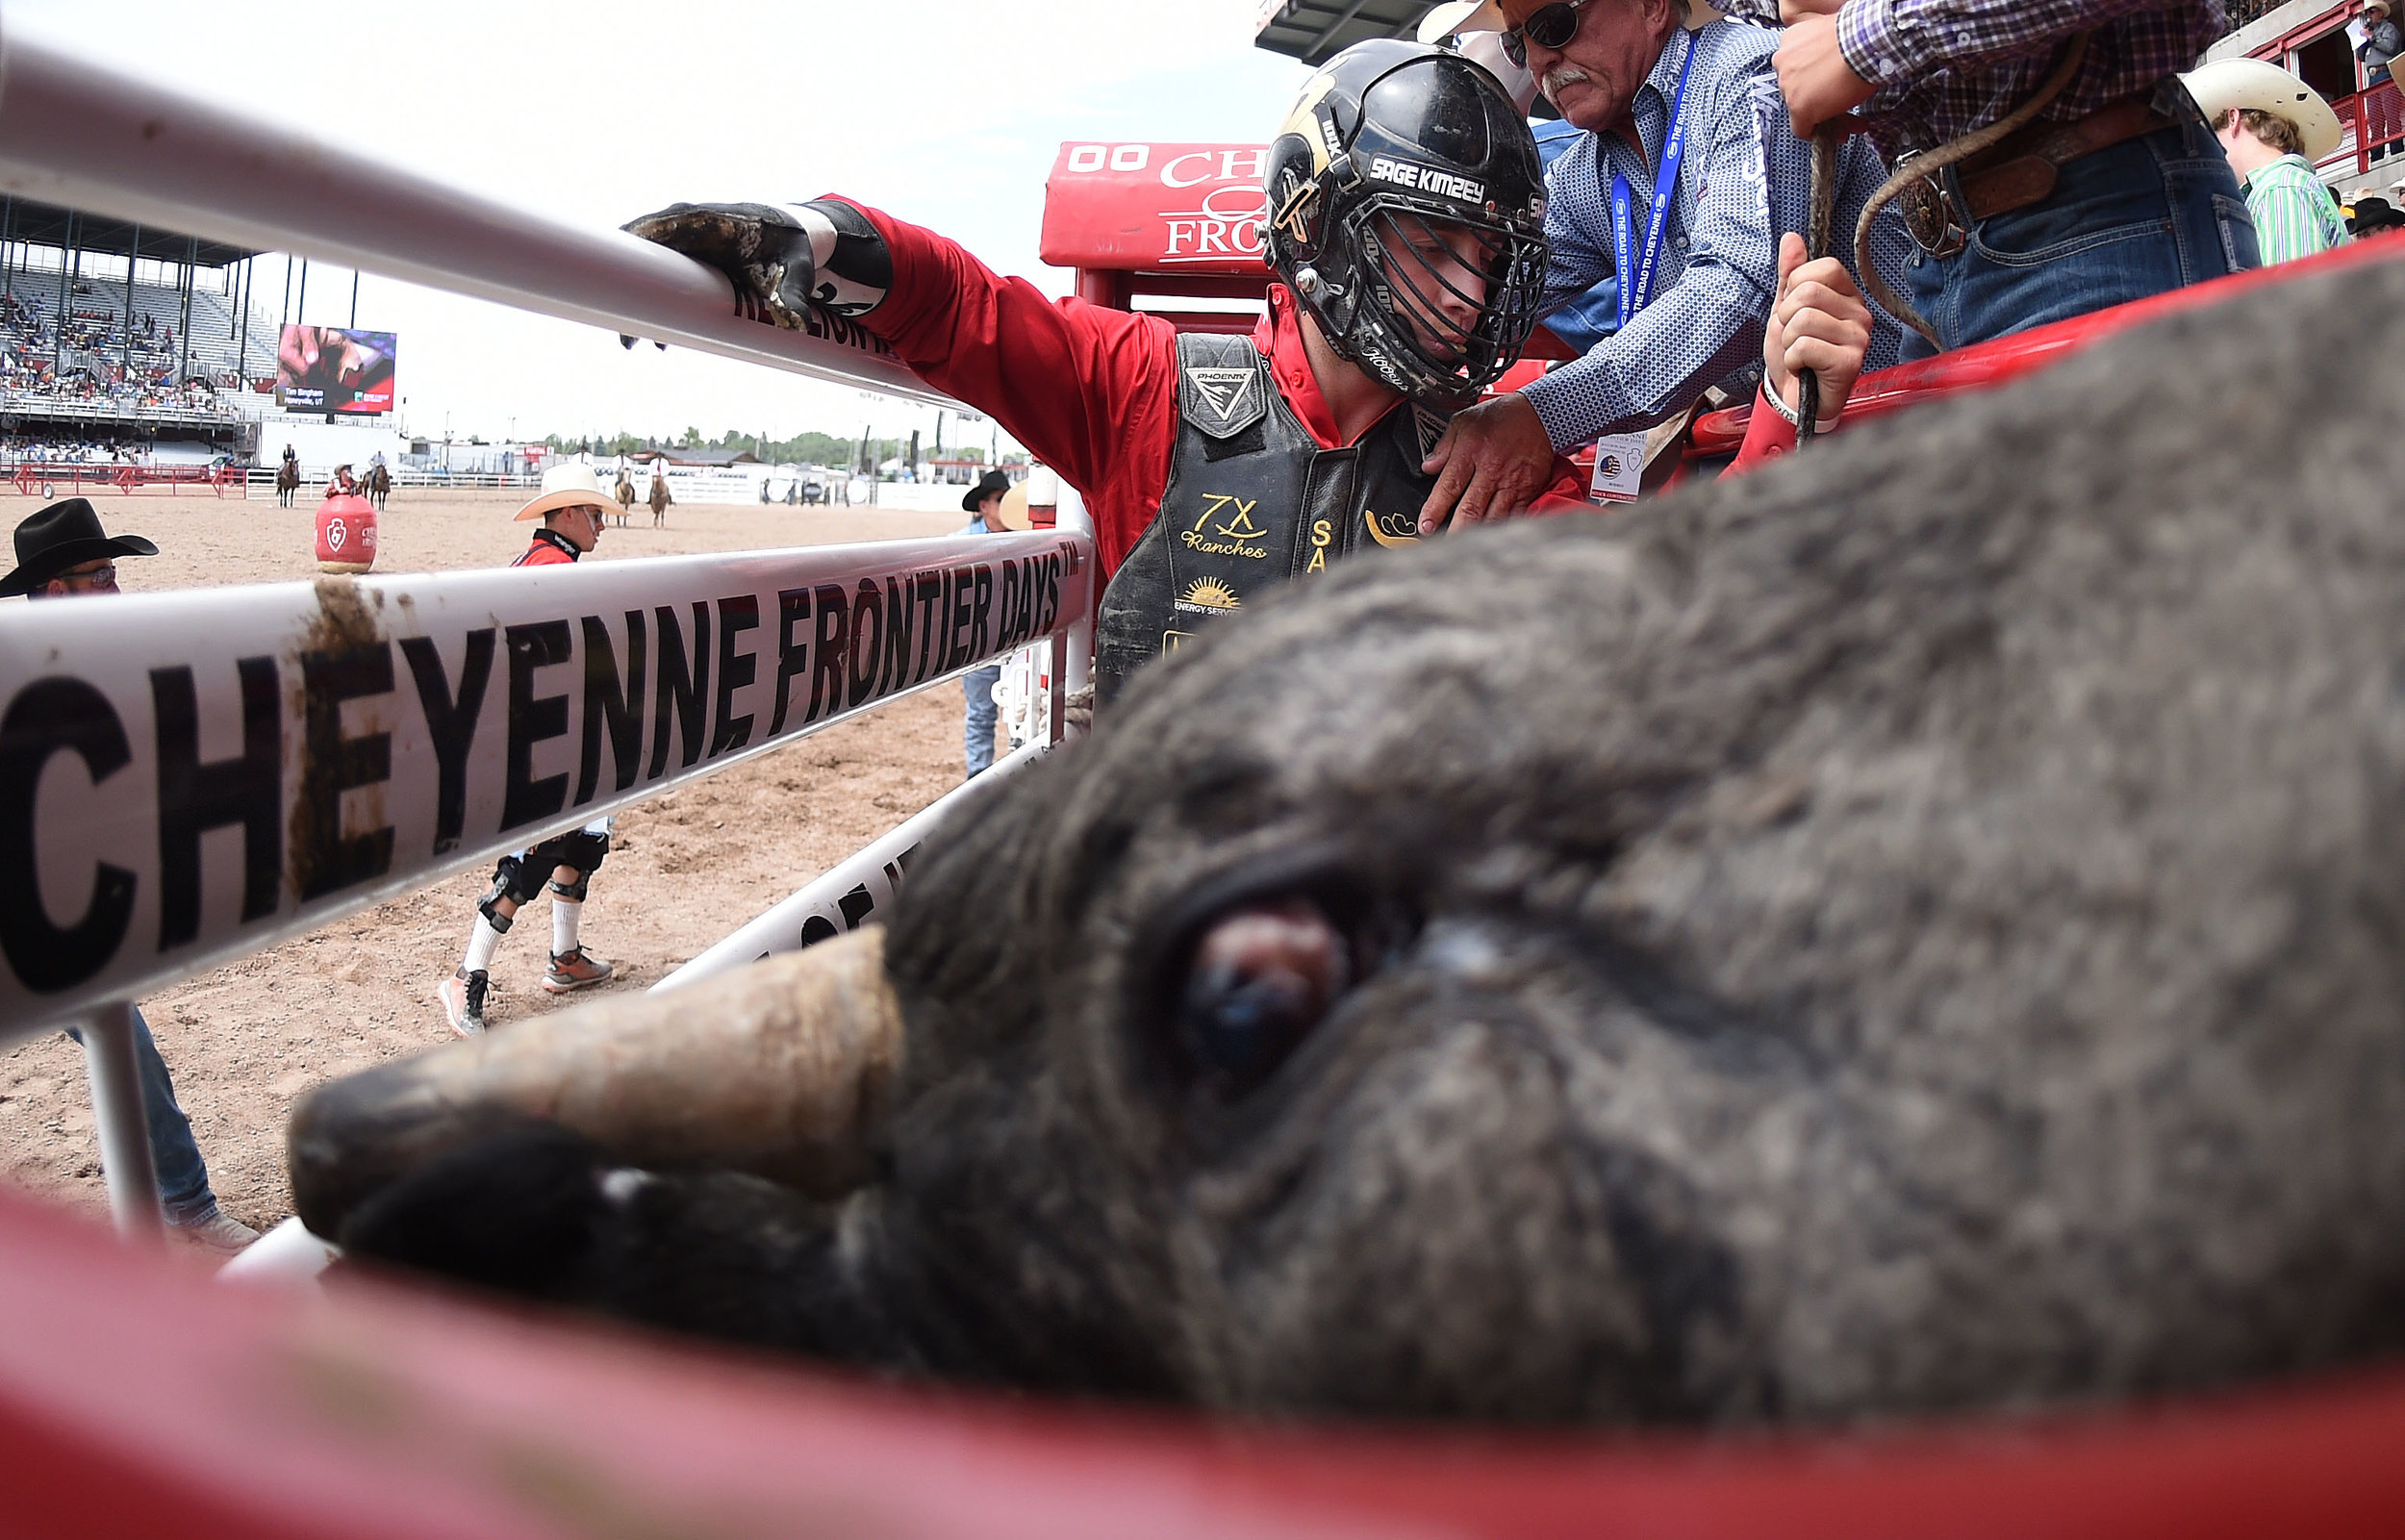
(1819, 225)
(1951, 153)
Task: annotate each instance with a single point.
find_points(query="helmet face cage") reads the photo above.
(1399, 320)
(1392, 152)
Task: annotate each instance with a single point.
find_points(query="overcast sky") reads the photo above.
(947, 112)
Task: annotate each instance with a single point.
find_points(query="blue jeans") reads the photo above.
(2142, 217)
(979, 729)
(183, 1192)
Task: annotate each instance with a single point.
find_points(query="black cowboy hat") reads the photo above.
(66, 534)
(992, 485)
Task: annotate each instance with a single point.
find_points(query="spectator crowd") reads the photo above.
(95, 354)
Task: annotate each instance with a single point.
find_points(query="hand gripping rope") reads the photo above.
(1826, 140)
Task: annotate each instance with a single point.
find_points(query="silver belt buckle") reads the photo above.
(1930, 215)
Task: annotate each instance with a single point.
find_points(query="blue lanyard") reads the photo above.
(1638, 273)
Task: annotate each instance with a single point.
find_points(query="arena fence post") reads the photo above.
(1071, 519)
(118, 1116)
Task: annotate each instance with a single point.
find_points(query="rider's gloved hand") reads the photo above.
(784, 263)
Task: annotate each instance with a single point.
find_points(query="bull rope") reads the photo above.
(1818, 226)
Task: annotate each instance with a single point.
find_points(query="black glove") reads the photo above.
(771, 256)
(764, 251)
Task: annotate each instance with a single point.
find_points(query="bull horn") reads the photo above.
(781, 1069)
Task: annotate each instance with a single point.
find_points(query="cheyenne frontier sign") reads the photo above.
(186, 777)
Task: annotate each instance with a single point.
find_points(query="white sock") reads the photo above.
(480, 944)
(565, 916)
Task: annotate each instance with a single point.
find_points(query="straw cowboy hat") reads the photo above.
(2253, 85)
(1011, 513)
(66, 534)
(568, 487)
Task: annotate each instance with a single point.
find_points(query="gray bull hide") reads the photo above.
(1914, 931)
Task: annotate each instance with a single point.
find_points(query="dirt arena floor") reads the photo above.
(684, 868)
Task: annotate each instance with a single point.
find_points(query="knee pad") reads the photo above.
(573, 893)
(584, 849)
(506, 875)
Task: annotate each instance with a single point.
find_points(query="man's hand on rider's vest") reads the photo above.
(1492, 463)
(763, 250)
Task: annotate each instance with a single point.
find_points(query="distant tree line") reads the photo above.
(803, 448)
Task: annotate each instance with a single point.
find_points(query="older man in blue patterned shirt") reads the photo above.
(2115, 190)
(1746, 178)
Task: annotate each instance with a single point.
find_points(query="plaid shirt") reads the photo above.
(1944, 67)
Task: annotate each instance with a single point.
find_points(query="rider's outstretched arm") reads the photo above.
(1092, 391)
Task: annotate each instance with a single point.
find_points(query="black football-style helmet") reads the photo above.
(1389, 142)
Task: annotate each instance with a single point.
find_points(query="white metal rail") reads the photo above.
(188, 777)
(76, 133)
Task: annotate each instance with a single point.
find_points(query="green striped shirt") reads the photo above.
(2294, 213)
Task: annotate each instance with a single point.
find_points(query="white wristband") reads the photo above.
(1795, 418)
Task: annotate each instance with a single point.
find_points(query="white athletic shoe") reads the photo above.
(462, 995)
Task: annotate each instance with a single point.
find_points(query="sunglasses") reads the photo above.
(1552, 26)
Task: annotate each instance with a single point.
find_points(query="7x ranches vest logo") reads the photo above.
(1253, 502)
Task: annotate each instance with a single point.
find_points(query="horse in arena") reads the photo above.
(625, 493)
(288, 481)
(378, 486)
(660, 499)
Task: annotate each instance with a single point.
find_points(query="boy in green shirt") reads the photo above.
(2269, 121)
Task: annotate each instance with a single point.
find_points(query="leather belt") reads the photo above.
(2016, 171)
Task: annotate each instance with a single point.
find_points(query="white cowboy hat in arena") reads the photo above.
(2266, 88)
(565, 487)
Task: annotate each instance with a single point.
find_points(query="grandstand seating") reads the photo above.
(215, 338)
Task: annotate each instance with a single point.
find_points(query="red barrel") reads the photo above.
(347, 535)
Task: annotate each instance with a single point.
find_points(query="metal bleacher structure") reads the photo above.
(156, 342)
(1316, 30)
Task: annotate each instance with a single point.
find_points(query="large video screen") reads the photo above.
(326, 368)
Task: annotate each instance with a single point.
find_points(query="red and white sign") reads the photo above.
(1156, 208)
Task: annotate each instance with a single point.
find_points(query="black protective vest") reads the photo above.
(1252, 500)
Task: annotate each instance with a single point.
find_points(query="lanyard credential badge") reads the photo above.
(1620, 457)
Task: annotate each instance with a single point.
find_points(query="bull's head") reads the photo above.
(1916, 932)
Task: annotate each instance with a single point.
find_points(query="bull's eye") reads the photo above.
(1258, 979)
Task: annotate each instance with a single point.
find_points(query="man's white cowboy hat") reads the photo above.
(1461, 15)
(2266, 88)
(565, 487)
(1481, 23)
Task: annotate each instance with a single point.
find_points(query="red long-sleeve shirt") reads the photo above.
(547, 551)
(1092, 391)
